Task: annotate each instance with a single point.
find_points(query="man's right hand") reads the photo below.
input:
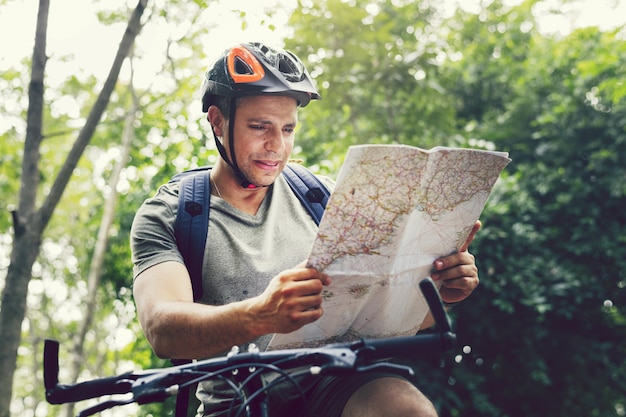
(292, 299)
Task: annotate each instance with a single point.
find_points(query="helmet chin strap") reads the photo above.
(243, 181)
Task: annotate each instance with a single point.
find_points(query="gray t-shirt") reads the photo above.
(243, 252)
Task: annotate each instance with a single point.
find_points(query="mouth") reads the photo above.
(267, 164)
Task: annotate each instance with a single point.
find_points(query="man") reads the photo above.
(255, 282)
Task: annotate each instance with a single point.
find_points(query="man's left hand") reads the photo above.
(457, 273)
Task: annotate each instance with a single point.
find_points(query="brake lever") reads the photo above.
(433, 299)
(105, 405)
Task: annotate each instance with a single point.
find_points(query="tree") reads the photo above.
(550, 253)
(98, 256)
(167, 137)
(377, 68)
(30, 221)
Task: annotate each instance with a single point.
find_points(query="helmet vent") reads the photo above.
(242, 68)
(290, 68)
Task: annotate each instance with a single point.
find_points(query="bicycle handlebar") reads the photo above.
(60, 394)
(156, 385)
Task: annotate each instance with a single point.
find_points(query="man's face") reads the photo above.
(264, 136)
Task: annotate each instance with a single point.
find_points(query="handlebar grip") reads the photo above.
(433, 300)
(61, 394)
(382, 349)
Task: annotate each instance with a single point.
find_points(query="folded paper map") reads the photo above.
(394, 210)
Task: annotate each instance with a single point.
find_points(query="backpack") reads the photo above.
(192, 219)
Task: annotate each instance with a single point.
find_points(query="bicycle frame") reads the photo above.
(243, 370)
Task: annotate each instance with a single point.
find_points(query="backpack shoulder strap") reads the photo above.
(192, 221)
(311, 192)
(192, 224)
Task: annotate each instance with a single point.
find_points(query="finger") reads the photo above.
(306, 310)
(450, 262)
(309, 316)
(455, 290)
(304, 274)
(459, 271)
(312, 302)
(453, 295)
(462, 283)
(471, 236)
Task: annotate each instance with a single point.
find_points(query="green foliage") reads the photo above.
(162, 146)
(12, 139)
(548, 321)
(377, 68)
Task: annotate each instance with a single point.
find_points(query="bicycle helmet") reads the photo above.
(257, 69)
(253, 69)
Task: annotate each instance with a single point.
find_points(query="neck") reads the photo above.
(226, 185)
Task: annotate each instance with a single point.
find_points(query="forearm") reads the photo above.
(178, 328)
(183, 330)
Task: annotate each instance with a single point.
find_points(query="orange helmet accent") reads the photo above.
(253, 69)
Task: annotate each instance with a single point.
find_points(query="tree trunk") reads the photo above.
(29, 223)
(27, 235)
(97, 259)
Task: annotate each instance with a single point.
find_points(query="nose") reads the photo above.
(274, 140)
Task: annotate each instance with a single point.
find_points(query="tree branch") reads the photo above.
(132, 30)
(34, 120)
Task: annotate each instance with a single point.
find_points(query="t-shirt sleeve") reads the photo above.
(152, 238)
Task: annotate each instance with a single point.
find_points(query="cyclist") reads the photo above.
(254, 281)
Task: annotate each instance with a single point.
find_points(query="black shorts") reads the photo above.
(326, 396)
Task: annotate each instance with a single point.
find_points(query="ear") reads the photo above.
(217, 120)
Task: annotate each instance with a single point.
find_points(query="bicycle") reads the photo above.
(243, 371)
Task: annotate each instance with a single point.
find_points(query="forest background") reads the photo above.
(545, 333)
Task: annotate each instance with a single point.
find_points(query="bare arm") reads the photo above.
(176, 327)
